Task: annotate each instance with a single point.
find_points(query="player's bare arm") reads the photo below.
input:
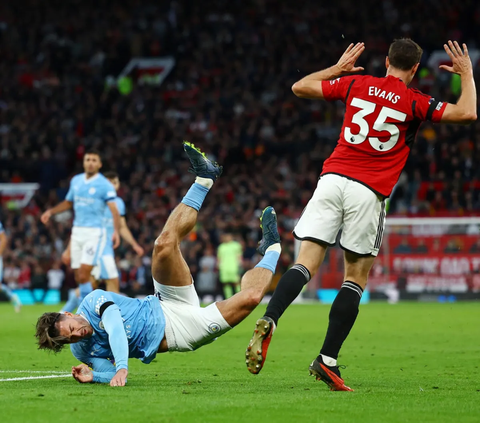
(128, 237)
(116, 223)
(310, 87)
(465, 111)
(59, 208)
(3, 243)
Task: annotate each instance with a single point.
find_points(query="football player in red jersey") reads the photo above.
(381, 121)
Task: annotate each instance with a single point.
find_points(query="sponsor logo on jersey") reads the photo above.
(439, 106)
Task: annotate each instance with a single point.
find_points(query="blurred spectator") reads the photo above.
(421, 247)
(229, 257)
(452, 246)
(403, 248)
(11, 273)
(55, 276)
(206, 283)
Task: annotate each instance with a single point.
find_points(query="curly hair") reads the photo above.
(47, 334)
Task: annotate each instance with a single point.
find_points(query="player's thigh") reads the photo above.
(108, 267)
(184, 295)
(169, 267)
(92, 247)
(188, 327)
(363, 221)
(1, 269)
(322, 217)
(76, 247)
(357, 268)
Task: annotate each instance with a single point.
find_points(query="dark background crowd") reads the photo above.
(229, 93)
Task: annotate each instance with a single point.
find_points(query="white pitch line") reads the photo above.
(34, 377)
(31, 371)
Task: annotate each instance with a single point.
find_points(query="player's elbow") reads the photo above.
(299, 90)
(471, 117)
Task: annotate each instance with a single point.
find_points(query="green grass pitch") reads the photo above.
(410, 362)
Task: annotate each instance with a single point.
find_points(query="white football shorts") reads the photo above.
(105, 269)
(87, 246)
(188, 326)
(340, 203)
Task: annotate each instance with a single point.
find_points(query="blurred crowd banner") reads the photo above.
(14, 196)
(419, 256)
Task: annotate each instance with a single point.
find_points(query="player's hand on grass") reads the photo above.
(461, 63)
(120, 379)
(139, 250)
(346, 64)
(82, 373)
(116, 239)
(46, 217)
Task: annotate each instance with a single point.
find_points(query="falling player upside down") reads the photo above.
(381, 120)
(109, 328)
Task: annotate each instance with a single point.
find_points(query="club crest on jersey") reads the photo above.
(91, 191)
(214, 328)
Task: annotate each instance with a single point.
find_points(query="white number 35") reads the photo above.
(367, 108)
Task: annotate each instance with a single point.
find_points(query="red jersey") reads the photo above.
(381, 121)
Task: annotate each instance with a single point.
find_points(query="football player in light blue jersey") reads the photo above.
(110, 328)
(106, 270)
(89, 194)
(11, 296)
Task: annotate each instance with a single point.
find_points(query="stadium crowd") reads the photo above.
(229, 93)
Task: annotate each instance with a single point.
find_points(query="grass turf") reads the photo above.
(410, 362)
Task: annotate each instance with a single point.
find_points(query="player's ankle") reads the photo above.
(204, 182)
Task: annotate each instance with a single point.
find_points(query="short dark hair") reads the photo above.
(47, 334)
(111, 174)
(94, 151)
(404, 54)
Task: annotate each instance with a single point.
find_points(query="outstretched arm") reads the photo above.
(311, 85)
(465, 111)
(127, 236)
(59, 208)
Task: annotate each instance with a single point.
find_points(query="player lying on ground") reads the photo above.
(381, 120)
(109, 328)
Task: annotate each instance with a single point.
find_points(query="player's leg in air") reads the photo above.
(336, 201)
(189, 326)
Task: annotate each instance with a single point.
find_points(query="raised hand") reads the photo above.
(346, 64)
(461, 63)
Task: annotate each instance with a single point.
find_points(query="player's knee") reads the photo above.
(253, 298)
(164, 245)
(83, 276)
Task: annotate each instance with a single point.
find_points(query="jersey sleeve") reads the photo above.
(103, 369)
(338, 89)
(69, 196)
(427, 108)
(109, 193)
(120, 206)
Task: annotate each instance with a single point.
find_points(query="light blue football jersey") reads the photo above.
(108, 225)
(143, 321)
(90, 198)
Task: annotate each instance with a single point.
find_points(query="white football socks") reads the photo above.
(204, 182)
(329, 361)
